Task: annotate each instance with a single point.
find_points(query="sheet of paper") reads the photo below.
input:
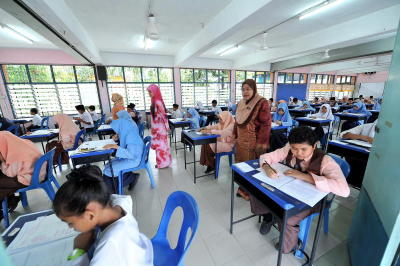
(303, 191)
(103, 127)
(96, 144)
(244, 167)
(176, 120)
(54, 253)
(275, 182)
(42, 230)
(44, 132)
(358, 143)
(274, 124)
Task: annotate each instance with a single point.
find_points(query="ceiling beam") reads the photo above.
(220, 27)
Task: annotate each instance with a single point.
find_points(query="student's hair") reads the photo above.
(92, 108)
(214, 101)
(271, 99)
(361, 96)
(84, 185)
(371, 97)
(175, 105)
(80, 107)
(316, 98)
(295, 99)
(332, 99)
(302, 135)
(131, 106)
(34, 110)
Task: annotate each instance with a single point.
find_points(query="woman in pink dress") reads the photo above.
(159, 128)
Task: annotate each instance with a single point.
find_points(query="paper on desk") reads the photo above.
(95, 144)
(244, 167)
(359, 143)
(176, 120)
(43, 132)
(303, 191)
(275, 182)
(274, 124)
(44, 229)
(103, 127)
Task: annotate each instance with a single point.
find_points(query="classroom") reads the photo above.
(199, 132)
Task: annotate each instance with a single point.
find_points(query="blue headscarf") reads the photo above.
(126, 129)
(285, 117)
(195, 119)
(378, 102)
(362, 109)
(309, 107)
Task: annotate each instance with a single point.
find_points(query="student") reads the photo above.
(295, 102)
(358, 108)
(282, 118)
(129, 151)
(85, 204)
(199, 105)
(36, 120)
(118, 101)
(325, 112)
(306, 106)
(5, 123)
(217, 110)
(84, 118)
(310, 165)
(377, 103)
(272, 104)
(93, 114)
(365, 132)
(316, 100)
(17, 161)
(136, 116)
(194, 118)
(176, 112)
(225, 143)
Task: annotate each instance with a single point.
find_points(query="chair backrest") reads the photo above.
(47, 157)
(45, 122)
(79, 137)
(14, 129)
(190, 220)
(146, 150)
(141, 129)
(342, 163)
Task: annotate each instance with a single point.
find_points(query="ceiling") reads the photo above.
(193, 33)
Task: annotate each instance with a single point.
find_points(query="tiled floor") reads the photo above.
(213, 244)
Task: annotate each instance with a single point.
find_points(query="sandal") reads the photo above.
(242, 194)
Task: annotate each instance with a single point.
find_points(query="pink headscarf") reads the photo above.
(68, 130)
(156, 97)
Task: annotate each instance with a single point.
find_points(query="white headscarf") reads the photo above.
(199, 105)
(328, 115)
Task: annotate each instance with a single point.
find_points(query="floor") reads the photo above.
(213, 244)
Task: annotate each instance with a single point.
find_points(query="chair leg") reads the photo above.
(326, 220)
(54, 179)
(150, 174)
(24, 199)
(59, 163)
(217, 161)
(303, 234)
(121, 184)
(49, 190)
(4, 205)
(230, 159)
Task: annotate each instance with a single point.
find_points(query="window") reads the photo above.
(51, 89)
(324, 86)
(263, 80)
(204, 85)
(281, 77)
(132, 82)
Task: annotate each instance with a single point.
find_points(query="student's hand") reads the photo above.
(28, 133)
(368, 139)
(300, 175)
(269, 171)
(205, 131)
(84, 240)
(278, 122)
(110, 146)
(78, 119)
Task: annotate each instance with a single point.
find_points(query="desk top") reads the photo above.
(349, 146)
(178, 121)
(92, 148)
(276, 127)
(360, 116)
(41, 133)
(301, 110)
(22, 120)
(194, 135)
(104, 128)
(317, 120)
(207, 112)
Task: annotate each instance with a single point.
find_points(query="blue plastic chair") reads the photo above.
(80, 136)
(141, 129)
(14, 129)
(44, 124)
(144, 164)
(218, 158)
(102, 119)
(163, 253)
(46, 184)
(305, 224)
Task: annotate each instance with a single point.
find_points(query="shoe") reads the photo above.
(241, 194)
(294, 249)
(209, 169)
(266, 224)
(13, 202)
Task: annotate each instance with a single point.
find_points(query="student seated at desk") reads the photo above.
(129, 151)
(306, 106)
(325, 112)
(66, 137)
(105, 221)
(377, 103)
(272, 104)
(310, 165)
(135, 114)
(295, 102)
(36, 120)
(93, 114)
(225, 143)
(365, 132)
(176, 112)
(85, 118)
(17, 161)
(217, 110)
(316, 100)
(358, 108)
(281, 118)
(194, 118)
(118, 101)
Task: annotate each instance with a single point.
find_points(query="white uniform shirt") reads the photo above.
(121, 243)
(365, 130)
(87, 118)
(177, 114)
(94, 115)
(36, 120)
(217, 110)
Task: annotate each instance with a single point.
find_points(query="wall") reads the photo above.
(284, 91)
(35, 56)
(375, 78)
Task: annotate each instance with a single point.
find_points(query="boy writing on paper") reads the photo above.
(310, 165)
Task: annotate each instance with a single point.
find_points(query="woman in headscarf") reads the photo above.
(377, 103)
(225, 143)
(159, 128)
(358, 108)
(134, 113)
(67, 132)
(282, 118)
(325, 112)
(130, 148)
(253, 126)
(118, 101)
(199, 105)
(194, 118)
(17, 162)
(306, 106)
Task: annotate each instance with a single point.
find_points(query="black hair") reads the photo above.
(271, 99)
(92, 108)
(214, 101)
(34, 110)
(371, 97)
(316, 98)
(295, 99)
(175, 105)
(332, 99)
(302, 135)
(361, 96)
(84, 185)
(80, 107)
(131, 106)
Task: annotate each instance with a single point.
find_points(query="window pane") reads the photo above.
(187, 94)
(40, 73)
(89, 94)
(186, 75)
(69, 97)
(135, 95)
(132, 74)
(22, 99)
(338, 79)
(150, 75)
(250, 75)
(47, 99)
(353, 80)
(115, 74)
(325, 79)
(117, 88)
(312, 78)
(240, 76)
(199, 75)
(166, 74)
(303, 78)
(225, 75)
(64, 73)
(167, 91)
(85, 74)
(296, 78)
(289, 78)
(319, 79)
(201, 94)
(260, 77)
(348, 79)
(15, 73)
(281, 77)
(213, 75)
(268, 77)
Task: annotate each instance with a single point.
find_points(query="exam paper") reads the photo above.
(244, 167)
(176, 120)
(275, 182)
(104, 127)
(359, 143)
(43, 132)
(95, 144)
(303, 191)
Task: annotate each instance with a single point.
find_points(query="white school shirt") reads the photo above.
(36, 120)
(217, 110)
(87, 118)
(121, 243)
(177, 114)
(365, 130)
(94, 115)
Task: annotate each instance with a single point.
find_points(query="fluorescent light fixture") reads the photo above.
(229, 50)
(320, 8)
(147, 43)
(16, 34)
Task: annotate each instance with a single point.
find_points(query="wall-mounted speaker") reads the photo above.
(101, 72)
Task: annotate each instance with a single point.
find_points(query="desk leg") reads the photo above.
(232, 188)
(194, 163)
(184, 151)
(44, 151)
(215, 161)
(281, 237)
(112, 175)
(176, 151)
